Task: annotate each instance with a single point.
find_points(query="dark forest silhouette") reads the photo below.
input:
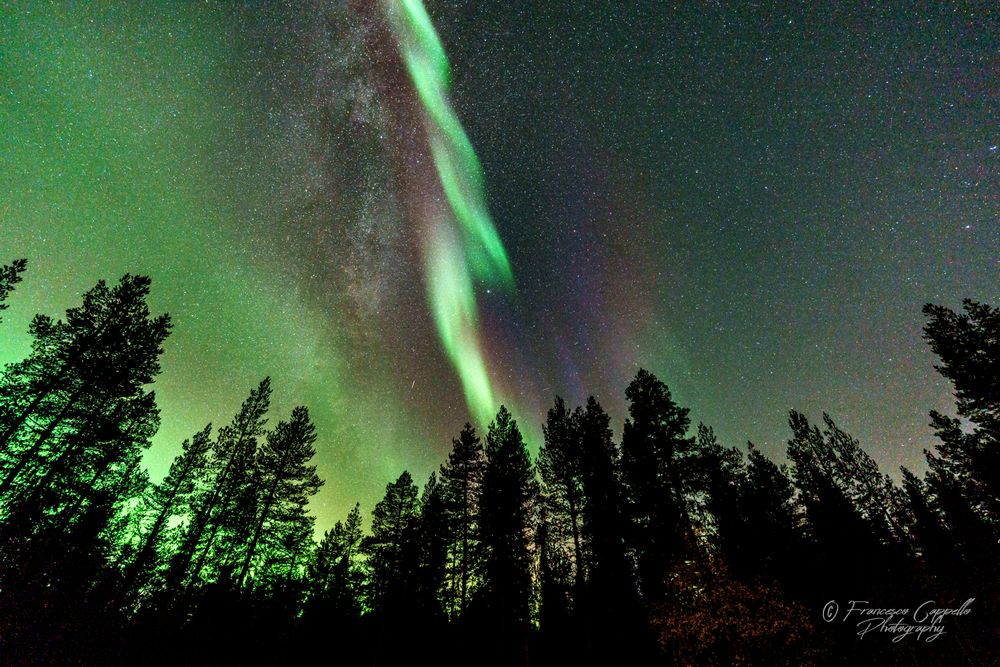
(663, 548)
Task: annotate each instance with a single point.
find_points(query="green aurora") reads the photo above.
(451, 265)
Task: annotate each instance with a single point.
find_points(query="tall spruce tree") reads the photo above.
(603, 510)
(334, 575)
(716, 476)
(613, 621)
(555, 591)
(335, 582)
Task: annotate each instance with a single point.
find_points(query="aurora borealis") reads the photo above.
(752, 203)
(450, 268)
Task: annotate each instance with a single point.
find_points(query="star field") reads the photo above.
(751, 202)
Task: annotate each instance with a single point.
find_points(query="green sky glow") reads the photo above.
(122, 128)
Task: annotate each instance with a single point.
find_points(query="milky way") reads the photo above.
(752, 203)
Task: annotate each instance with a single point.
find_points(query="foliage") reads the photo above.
(714, 619)
(10, 275)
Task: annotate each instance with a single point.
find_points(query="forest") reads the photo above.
(661, 547)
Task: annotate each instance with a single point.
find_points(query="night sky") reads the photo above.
(753, 203)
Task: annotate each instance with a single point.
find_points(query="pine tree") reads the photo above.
(286, 481)
(850, 543)
(434, 537)
(10, 275)
(506, 506)
(656, 453)
(75, 418)
(872, 492)
(969, 347)
(971, 533)
(560, 467)
(716, 476)
(81, 377)
(167, 499)
(334, 575)
(228, 480)
(963, 482)
(75, 441)
(461, 479)
(938, 549)
(771, 544)
(392, 549)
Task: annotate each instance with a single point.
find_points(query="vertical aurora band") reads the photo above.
(455, 256)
